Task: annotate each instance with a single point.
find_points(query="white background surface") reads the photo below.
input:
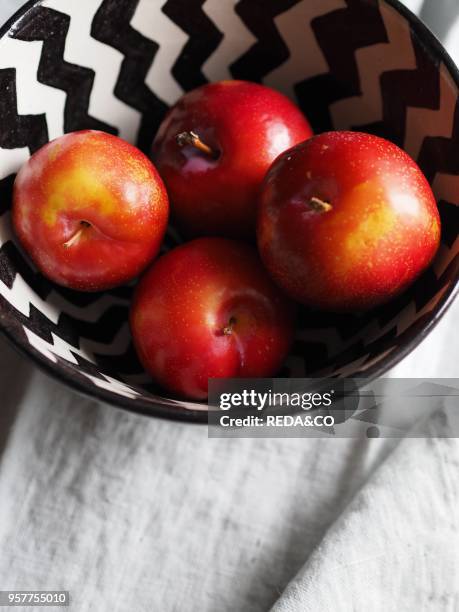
(130, 513)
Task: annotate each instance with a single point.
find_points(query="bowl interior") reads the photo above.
(118, 65)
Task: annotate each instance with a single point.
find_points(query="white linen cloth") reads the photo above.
(137, 514)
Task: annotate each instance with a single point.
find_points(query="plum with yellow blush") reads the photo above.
(346, 221)
(90, 209)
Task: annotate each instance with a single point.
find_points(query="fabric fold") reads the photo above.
(396, 545)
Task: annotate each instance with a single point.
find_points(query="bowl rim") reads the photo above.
(178, 413)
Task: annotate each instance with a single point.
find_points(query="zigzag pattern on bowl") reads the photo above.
(117, 66)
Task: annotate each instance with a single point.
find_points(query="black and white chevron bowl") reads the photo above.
(117, 65)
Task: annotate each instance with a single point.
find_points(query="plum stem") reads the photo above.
(77, 235)
(318, 205)
(228, 330)
(191, 138)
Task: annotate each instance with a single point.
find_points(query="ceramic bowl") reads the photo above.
(117, 65)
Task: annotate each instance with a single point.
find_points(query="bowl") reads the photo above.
(118, 65)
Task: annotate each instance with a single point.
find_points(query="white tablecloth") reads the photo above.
(136, 514)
